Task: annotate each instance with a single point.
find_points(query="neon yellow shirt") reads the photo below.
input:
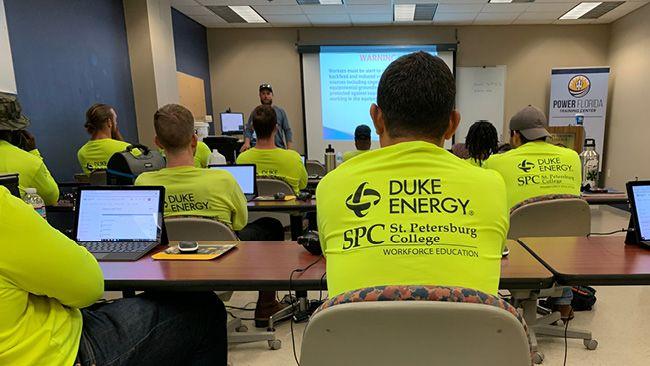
(32, 172)
(202, 155)
(537, 168)
(277, 163)
(44, 279)
(192, 191)
(473, 162)
(411, 214)
(350, 154)
(94, 155)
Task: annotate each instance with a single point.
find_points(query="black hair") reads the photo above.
(264, 121)
(482, 140)
(417, 94)
(97, 116)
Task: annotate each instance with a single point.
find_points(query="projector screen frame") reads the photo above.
(311, 48)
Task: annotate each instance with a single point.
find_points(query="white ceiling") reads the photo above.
(287, 13)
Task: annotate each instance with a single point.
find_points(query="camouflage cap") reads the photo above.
(11, 117)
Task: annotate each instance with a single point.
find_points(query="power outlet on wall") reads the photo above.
(609, 173)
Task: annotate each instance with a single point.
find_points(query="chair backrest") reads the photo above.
(197, 229)
(436, 326)
(270, 186)
(315, 168)
(546, 216)
(97, 178)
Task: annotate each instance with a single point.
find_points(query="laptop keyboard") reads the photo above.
(116, 247)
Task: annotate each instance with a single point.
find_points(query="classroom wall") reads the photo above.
(627, 155)
(191, 48)
(67, 55)
(240, 59)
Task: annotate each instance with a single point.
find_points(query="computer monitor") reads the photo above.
(10, 181)
(232, 123)
(244, 175)
(638, 193)
(119, 213)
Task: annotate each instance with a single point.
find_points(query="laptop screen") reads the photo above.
(232, 122)
(244, 175)
(642, 205)
(118, 215)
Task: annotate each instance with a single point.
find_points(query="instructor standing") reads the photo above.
(283, 139)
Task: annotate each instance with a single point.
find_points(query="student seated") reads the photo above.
(215, 194)
(361, 142)
(105, 139)
(18, 154)
(482, 140)
(272, 161)
(48, 285)
(537, 168)
(202, 155)
(412, 213)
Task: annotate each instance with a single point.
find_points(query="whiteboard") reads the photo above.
(7, 80)
(480, 96)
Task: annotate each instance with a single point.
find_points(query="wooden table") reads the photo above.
(597, 260)
(295, 208)
(605, 198)
(267, 266)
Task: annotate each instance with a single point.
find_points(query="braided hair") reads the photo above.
(482, 141)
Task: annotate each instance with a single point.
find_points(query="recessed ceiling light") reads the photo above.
(319, 2)
(580, 10)
(510, 1)
(404, 12)
(248, 14)
(331, 2)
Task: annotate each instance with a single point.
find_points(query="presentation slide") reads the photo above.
(340, 85)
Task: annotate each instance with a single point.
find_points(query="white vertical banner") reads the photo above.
(7, 79)
(580, 91)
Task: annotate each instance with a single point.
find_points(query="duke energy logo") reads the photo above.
(525, 166)
(579, 86)
(362, 199)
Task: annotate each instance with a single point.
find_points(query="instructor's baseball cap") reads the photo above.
(530, 122)
(11, 117)
(266, 87)
(362, 132)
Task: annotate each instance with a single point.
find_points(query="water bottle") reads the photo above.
(330, 158)
(32, 198)
(339, 158)
(589, 159)
(216, 158)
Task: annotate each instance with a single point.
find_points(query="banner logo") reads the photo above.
(579, 86)
(525, 166)
(362, 199)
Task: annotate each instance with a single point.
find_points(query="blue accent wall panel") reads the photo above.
(69, 54)
(191, 46)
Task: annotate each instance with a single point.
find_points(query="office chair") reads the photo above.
(315, 168)
(268, 186)
(549, 215)
(204, 229)
(415, 325)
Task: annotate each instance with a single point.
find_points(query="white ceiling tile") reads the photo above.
(415, 1)
(495, 18)
(460, 1)
(247, 2)
(329, 19)
(323, 9)
(278, 9)
(573, 21)
(538, 16)
(454, 17)
(183, 2)
(622, 10)
(562, 7)
(367, 2)
(193, 10)
(209, 21)
(505, 8)
(369, 9)
(531, 22)
(371, 18)
(459, 8)
(284, 20)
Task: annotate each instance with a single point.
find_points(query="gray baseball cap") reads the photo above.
(531, 122)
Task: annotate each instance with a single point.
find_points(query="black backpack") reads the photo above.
(584, 298)
(123, 167)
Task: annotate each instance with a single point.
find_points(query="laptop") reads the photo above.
(638, 192)
(119, 223)
(244, 175)
(232, 123)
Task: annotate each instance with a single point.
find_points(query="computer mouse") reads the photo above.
(279, 196)
(188, 246)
